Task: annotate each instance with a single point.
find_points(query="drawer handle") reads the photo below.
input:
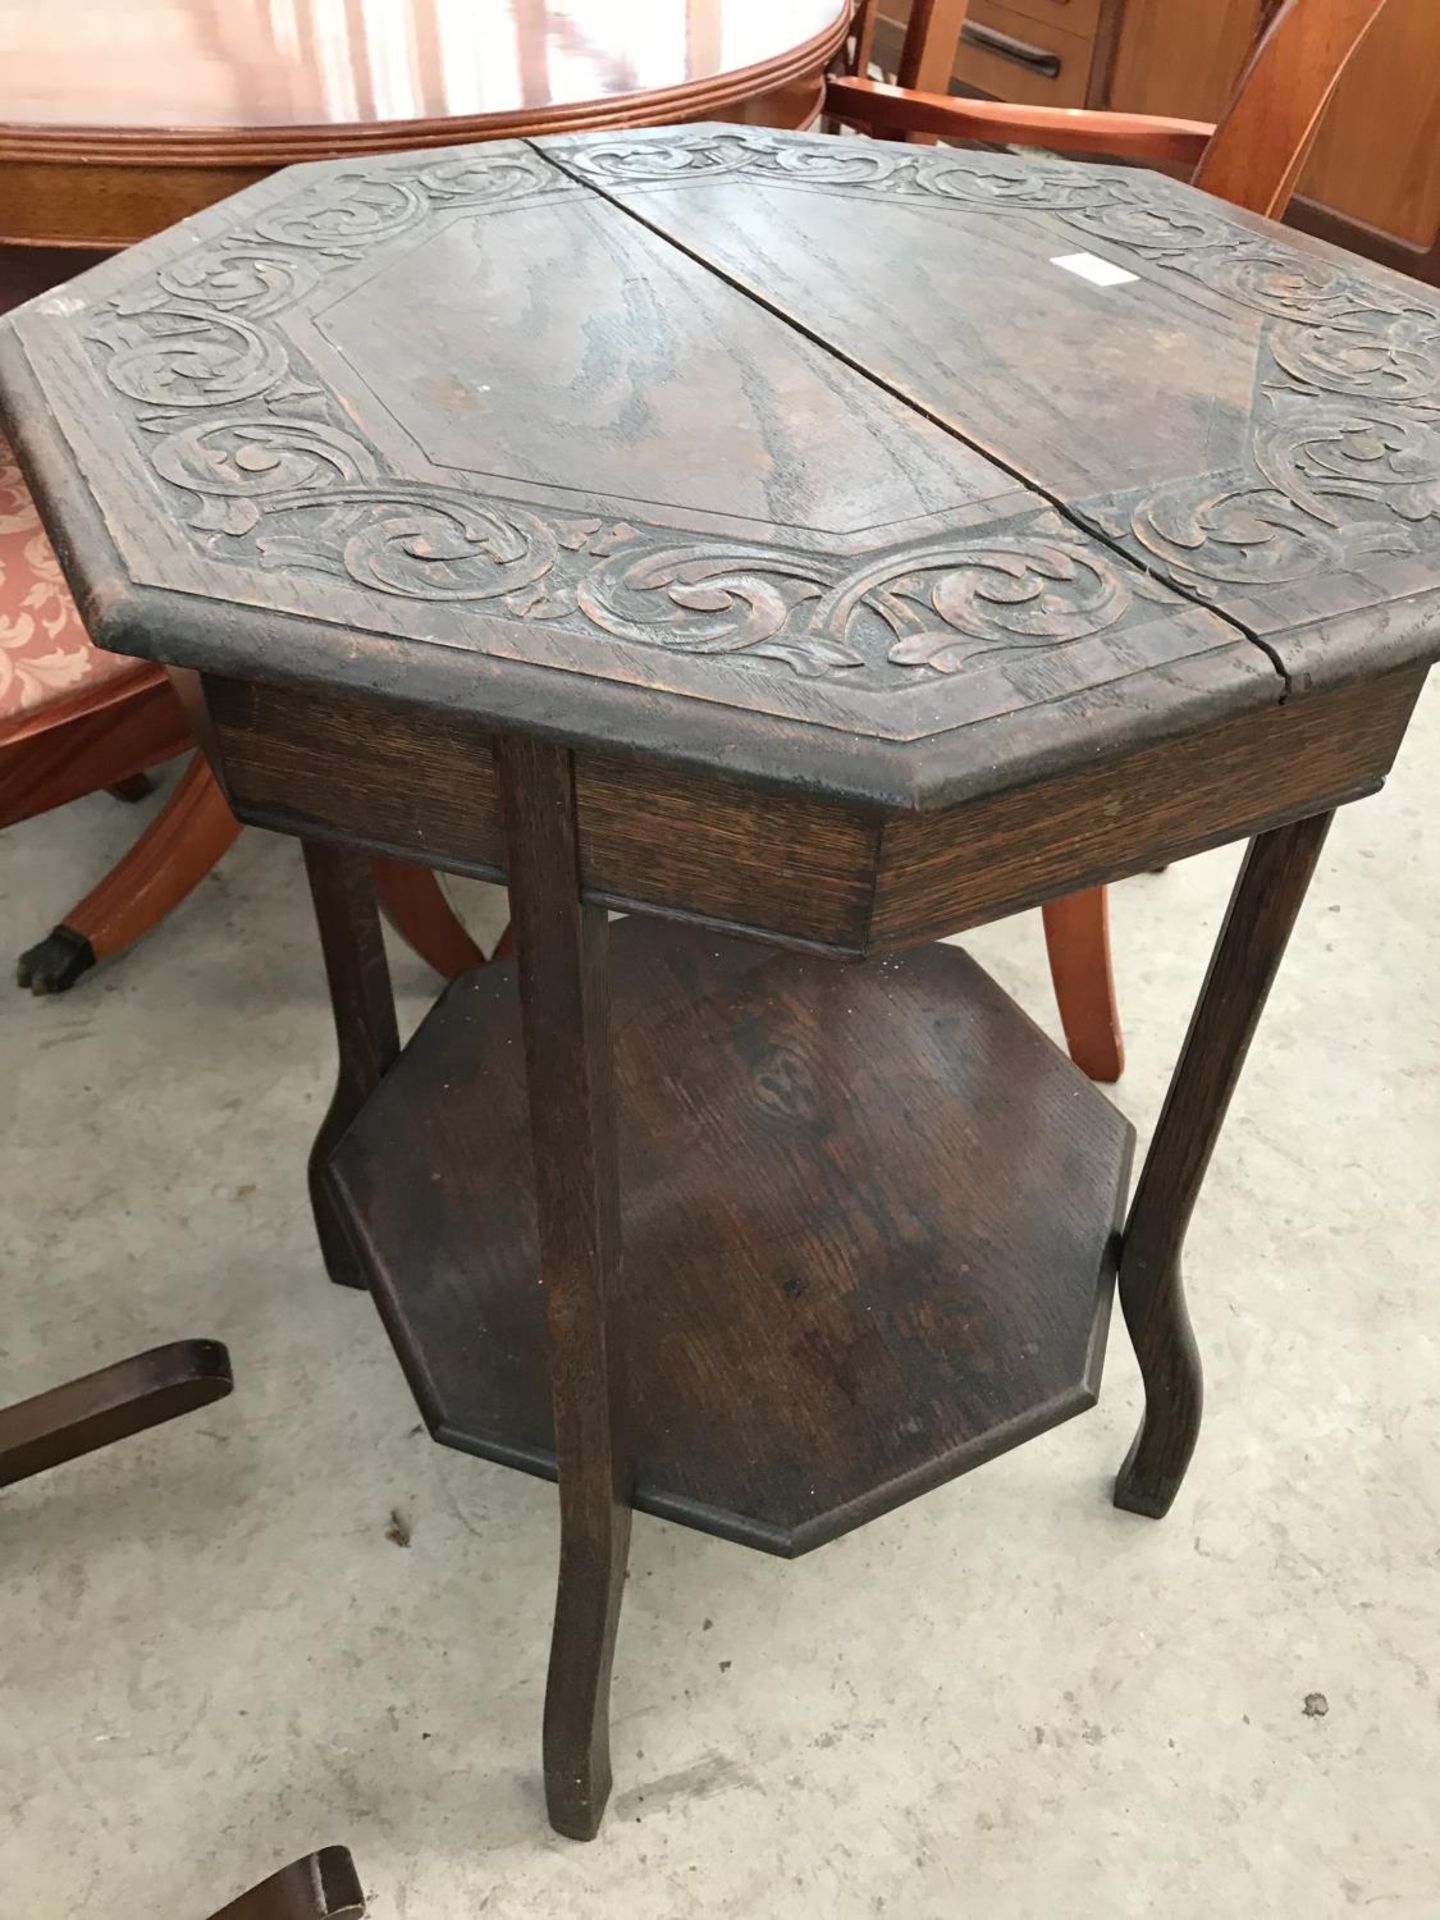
(1039, 59)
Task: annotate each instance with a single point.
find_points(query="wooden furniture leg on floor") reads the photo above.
(322, 1886)
(110, 1405)
(564, 996)
(1077, 937)
(342, 885)
(192, 831)
(1262, 911)
(136, 786)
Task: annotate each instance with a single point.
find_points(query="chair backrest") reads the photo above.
(932, 34)
(927, 55)
(1261, 143)
(1254, 156)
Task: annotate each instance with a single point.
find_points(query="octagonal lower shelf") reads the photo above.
(870, 1218)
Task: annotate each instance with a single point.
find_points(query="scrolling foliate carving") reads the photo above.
(1339, 470)
(238, 465)
(1325, 484)
(989, 597)
(184, 355)
(274, 474)
(939, 607)
(1344, 436)
(1226, 530)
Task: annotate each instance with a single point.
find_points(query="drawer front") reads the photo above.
(1081, 17)
(1011, 56)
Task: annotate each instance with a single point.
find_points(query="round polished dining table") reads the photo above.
(118, 117)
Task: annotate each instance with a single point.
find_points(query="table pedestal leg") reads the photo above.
(564, 996)
(342, 886)
(1262, 912)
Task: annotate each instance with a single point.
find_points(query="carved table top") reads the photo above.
(811, 460)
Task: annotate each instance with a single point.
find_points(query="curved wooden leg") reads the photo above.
(1077, 937)
(413, 901)
(1262, 912)
(322, 1886)
(564, 996)
(183, 842)
(110, 1405)
(342, 887)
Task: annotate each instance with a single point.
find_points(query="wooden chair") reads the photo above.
(93, 1412)
(1252, 158)
(74, 720)
(322, 1886)
(110, 1405)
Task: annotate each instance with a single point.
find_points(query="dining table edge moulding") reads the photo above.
(75, 180)
(692, 656)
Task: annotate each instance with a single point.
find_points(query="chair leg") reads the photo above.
(110, 1405)
(135, 786)
(413, 901)
(322, 1886)
(179, 847)
(1077, 936)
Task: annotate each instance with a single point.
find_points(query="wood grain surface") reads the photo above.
(1266, 901)
(815, 518)
(868, 1215)
(800, 868)
(1250, 414)
(118, 119)
(883, 574)
(563, 986)
(126, 1398)
(183, 70)
(834, 566)
(342, 887)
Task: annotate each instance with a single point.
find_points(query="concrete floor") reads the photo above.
(1005, 1700)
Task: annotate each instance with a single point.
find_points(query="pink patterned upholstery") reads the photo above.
(45, 655)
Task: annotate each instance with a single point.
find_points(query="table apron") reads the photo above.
(791, 867)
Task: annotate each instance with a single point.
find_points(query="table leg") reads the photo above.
(564, 995)
(342, 886)
(1258, 922)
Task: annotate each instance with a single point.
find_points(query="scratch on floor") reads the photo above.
(712, 1773)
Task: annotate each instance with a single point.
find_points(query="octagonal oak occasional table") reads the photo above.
(826, 543)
